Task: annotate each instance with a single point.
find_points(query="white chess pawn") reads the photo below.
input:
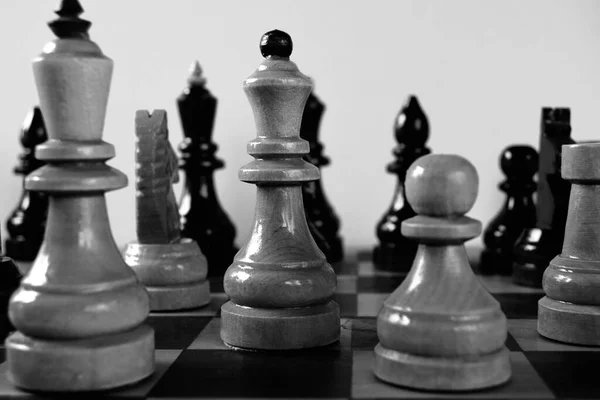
(441, 330)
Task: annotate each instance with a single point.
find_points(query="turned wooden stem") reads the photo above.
(582, 231)
(84, 231)
(279, 219)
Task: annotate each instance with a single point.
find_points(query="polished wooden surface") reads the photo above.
(441, 330)
(172, 268)
(570, 312)
(79, 310)
(280, 284)
(157, 218)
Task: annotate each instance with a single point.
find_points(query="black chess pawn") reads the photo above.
(202, 217)
(537, 246)
(395, 252)
(519, 164)
(27, 222)
(323, 221)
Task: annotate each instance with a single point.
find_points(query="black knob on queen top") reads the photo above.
(276, 43)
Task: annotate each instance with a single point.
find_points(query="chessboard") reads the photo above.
(193, 362)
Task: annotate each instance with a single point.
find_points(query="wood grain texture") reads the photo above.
(441, 330)
(279, 283)
(79, 310)
(157, 215)
(174, 273)
(570, 312)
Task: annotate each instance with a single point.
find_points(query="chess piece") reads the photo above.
(441, 330)
(80, 310)
(519, 165)
(280, 285)
(319, 212)
(395, 252)
(570, 311)
(202, 217)
(172, 268)
(10, 277)
(27, 222)
(536, 247)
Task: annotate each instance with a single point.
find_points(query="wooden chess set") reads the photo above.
(181, 312)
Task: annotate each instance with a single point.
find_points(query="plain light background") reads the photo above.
(482, 70)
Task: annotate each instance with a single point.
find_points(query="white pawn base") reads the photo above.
(173, 273)
(181, 297)
(280, 328)
(570, 323)
(442, 374)
(91, 364)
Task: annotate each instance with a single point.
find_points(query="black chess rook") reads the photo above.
(538, 245)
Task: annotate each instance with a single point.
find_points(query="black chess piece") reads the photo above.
(519, 164)
(322, 218)
(537, 246)
(202, 217)
(27, 223)
(10, 278)
(395, 252)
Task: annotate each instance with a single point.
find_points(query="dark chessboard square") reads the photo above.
(346, 284)
(379, 283)
(525, 333)
(210, 338)
(216, 284)
(568, 374)
(225, 373)
(363, 333)
(176, 332)
(519, 305)
(345, 267)
(347, 303)
(363, 256)
(511, 343)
